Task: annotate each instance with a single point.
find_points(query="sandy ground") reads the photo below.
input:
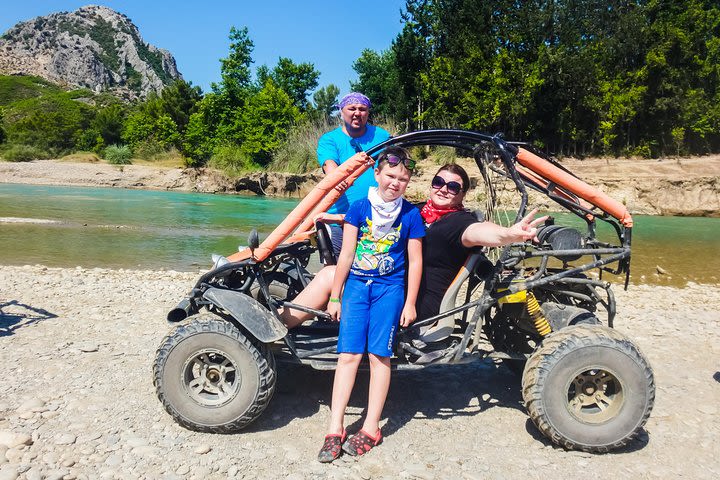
(77, 400)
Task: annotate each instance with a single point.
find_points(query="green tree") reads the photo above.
(235, 69)
(325, 99)
(141, 128)
(265, 122)
(108, 123)
(51, 122)
(298, 80)
(2, 129)
(199, 140)
(178, 100)
(377, 79)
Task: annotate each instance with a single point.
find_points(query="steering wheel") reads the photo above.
(327, 255)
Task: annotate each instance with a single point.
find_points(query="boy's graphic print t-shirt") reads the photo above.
(383, 258)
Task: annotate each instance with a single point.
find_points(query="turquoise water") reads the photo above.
(115, 228)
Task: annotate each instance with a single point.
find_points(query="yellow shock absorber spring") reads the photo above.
(533, 307)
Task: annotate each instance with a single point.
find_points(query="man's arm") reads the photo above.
(328, 166)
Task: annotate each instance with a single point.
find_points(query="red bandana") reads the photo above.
(430, 213)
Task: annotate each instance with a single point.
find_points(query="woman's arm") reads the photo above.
(409, 313)
(489, 234)
(342, 269)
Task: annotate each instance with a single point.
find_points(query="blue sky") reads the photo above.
(329, 34)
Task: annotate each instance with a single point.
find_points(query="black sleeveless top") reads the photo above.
(443, 255)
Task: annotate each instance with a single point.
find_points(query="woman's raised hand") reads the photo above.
(526, 228)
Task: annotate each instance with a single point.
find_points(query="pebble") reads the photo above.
(88, 347)
(183, 470)
(14, 455)
(708, 409)
(113, 460)
(13, 439)
(136, 442)
(34, 405)
(8, 473)
(203, 449)
(33, 474)
(65, 439)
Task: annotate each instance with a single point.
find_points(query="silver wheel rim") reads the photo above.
(595, 395)
(211, 377)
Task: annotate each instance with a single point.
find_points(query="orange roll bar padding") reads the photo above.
(544, 182)
(574, 185)
(328, 201)
(349, 171)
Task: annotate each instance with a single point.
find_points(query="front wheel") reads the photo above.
(210, 377)
(588, 388)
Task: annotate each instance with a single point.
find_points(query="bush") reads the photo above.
(297, 153)
(50, 122)
(118, 155)
(232, 160)
(24, 153)
(171, 158)
(149, 149)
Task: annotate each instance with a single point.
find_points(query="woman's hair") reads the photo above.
(459, 171)
(396, 151)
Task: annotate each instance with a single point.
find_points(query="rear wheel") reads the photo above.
(212, 378)
(588, 388)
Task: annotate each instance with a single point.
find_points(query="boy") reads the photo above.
(378, 232)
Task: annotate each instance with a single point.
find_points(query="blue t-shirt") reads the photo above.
(383, 259)
(335, 145)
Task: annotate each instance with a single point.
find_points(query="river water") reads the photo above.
(142, 229)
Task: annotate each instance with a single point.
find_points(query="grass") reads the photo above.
(80, 157)
(169, 159)
(21, 87)
(23, 153)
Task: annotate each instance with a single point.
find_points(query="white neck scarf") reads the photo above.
(384, 213)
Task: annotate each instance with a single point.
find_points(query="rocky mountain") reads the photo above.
(93, 47)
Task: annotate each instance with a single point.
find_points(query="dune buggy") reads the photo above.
(542, 308)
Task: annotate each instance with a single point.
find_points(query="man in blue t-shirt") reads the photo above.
(337, 146)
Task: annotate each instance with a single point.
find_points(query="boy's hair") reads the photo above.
(400, 152)
(459, 171)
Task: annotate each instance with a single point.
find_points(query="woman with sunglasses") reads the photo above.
(451, 233)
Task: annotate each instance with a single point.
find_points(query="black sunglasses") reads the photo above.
(394, 160)
(453, 187)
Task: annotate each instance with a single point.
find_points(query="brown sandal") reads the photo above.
(361, 443)
(332, 447)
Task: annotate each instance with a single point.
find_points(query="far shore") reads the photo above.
(682, 187)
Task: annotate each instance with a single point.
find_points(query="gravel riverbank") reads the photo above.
(77, 400)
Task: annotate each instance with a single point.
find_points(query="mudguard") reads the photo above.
(249, 313)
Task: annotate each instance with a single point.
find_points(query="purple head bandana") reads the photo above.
(354, 98)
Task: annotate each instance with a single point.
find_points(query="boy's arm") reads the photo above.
(409, 313)
(344, 262)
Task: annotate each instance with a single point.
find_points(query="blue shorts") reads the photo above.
(370, 316)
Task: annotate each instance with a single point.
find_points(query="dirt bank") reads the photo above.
(688, 186)
(77, 401)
